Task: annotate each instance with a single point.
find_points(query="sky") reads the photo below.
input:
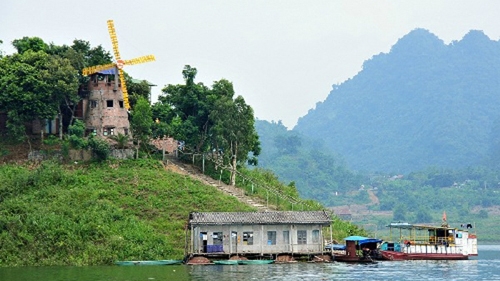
(283, 57)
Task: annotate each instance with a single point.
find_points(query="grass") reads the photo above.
(97, 213)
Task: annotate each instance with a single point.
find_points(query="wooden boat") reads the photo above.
(255, 261)
(426, 242)
(359, 249)
(226, 262)
(150, 262)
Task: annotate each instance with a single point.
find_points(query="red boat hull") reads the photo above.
(398, 256)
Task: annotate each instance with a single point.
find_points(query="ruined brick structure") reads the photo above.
(103, 109)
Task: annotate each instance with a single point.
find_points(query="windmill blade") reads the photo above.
(93, 69)
(138, 60)
(124, 89)
(114, 39)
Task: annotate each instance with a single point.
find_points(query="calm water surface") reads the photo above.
(484, 267)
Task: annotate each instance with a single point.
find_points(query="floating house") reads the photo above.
(281, 235)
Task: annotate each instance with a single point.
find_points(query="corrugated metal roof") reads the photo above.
(276, 217)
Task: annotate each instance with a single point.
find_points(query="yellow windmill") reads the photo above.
(119, 64)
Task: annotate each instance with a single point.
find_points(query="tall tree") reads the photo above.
(34, 85)
(190, 103)
(233, 131)
(141, 123)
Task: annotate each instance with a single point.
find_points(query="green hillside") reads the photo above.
(424, 103)
(95, 214)
(98, 213)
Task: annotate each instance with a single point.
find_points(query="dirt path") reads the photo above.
(174, 165)
(373, 197)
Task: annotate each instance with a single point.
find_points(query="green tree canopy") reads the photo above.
(34, 85)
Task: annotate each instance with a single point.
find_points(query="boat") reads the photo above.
(358, 249)
(149, 262)
(226, 262)
(427, 242)
(255, 261)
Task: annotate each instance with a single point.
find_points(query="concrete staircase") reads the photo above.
(173, 164)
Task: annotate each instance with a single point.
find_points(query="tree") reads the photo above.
(33, 85)
(399, 213)
(233, 131)
(34, 44)
(141, 123)
(192, 104)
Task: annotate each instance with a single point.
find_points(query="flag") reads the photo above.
(444, 216)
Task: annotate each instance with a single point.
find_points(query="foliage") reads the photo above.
(100, 148)
(33, 85)
(77, 135)
(97, 214)
(208, 120)
(121, 140)
(141, 122)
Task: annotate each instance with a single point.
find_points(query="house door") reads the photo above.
(286, 240)
(234, 241)
(203, 241)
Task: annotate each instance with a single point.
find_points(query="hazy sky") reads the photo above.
(282, 56)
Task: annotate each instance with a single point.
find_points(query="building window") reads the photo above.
(125, 131)
(120, 102)
(217, 237)
(247, 238)
(271, 238)
(92, 132)
(93, 103)
(301, 237)
(109, 103)
(315, 236)
(109, 131)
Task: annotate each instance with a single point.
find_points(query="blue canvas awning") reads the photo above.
(362, 240)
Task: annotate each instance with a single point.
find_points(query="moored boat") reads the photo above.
(359, 249)
(226, 262)
(255, 261)
(427, 242)
(149, 262)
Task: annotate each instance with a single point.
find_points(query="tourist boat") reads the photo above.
(359, 249)
(149, 262)
(427, 242)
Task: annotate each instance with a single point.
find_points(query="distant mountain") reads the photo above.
(425, 103)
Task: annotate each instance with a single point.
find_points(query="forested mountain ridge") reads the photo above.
(422, 104)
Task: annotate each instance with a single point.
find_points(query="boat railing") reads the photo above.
(426, 240)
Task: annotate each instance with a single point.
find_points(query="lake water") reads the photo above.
(484, 267)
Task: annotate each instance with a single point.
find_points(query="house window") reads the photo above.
(109, 131)
(271, 238)
(217, 237)
(125, 131)
(301, 237)
(120, 102)
(315, 236)
(93, 103)
(109, 103)
(90, 132)
(247, 238)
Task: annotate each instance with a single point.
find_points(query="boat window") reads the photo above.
(315, 236)
(271, 238)
(301, 236)
(217, 237)
(248, 238)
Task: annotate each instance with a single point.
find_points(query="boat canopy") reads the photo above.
(362, 240)
(405, 225)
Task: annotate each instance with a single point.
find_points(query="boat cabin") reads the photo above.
(257, 233)
(420, 241)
